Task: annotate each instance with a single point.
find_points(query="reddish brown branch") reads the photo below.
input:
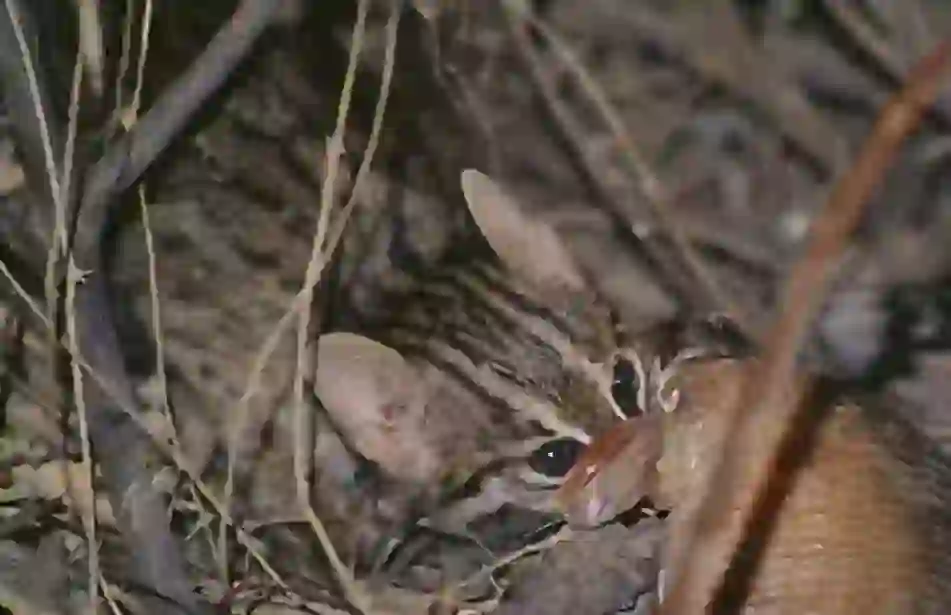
(770, 387)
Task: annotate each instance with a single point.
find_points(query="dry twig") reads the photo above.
(672, 278)
(654, 191)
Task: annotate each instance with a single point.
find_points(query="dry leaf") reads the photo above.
(56, 479)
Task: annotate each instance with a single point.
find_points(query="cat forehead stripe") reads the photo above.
(571, 355)
(496, 279)
(489, 330)
(476, 309)
(514, 396)
(474, 281)
(456, 360)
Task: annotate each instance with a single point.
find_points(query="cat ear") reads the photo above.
(529, 247)
(377, 401)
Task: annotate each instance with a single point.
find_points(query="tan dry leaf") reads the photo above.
(30, 421)
(55, 479)
(11, 177)
(90, 41)
(159, 426)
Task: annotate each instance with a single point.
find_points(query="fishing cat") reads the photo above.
(499, 369)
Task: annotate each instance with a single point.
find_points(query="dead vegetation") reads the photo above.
(191, 193)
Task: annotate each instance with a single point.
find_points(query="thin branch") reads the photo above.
(670, 277)
(312, 276)
(73, 278)
(895, 63)
(771, 388)
(91, 48)
(654, 191)
(173, 454)
(741, 66)
(126, 455)
(125, 57)
(315, 267)
(125, 162)
(26, 96)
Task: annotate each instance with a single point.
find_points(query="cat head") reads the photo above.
(560, 363)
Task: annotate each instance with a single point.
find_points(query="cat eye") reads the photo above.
(556, 457)
(625, 387)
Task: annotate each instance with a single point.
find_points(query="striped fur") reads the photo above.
(506, 357)
(497, 338)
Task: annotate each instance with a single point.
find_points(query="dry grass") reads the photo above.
(604, 136)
